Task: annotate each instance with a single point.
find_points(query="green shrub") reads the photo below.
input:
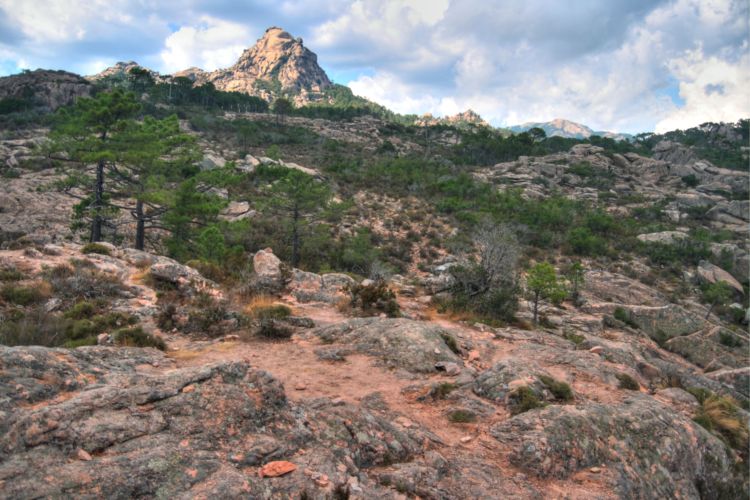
(165, 318)
(690, 180)
(136, 337)
(208, 270)
(559, 389)
(81, 281)
(373, 298)
(584, 242)
(11, 274)
(621, 314)
(95, 248)
(522, 400)
(440, 391)
(34, 327)
(275, 311)
(272, 329)
(721, 416)
(81, 310)
(628, 382)
(451, 342)
(462, 416)
(71, 344)
(80, 329)
(729, 339)
(21, 295)
(700, 393)
(576, 338)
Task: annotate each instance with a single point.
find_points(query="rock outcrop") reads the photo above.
(277, 58)
(45, 88)
(629, 440)
(400, 343)
(103, 422)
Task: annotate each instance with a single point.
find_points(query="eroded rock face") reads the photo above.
(558, 441)
(412, 345)
(103, 422)
(665, 322)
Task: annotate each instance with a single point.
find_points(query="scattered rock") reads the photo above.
(277, 468)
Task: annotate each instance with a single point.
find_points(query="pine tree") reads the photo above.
(83, 136)
(299, 199)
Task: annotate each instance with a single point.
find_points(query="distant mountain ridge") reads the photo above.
(566, 128)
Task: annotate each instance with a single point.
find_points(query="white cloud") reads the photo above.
(212, 44)
(711, 88)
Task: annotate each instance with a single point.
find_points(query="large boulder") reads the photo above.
(662, 323)
(415, 346)
(664, 237)
(185, 278)
(711, 273)
(649, 450)
(673, 152)
(311, 287)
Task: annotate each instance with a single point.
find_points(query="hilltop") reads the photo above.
(566, 128)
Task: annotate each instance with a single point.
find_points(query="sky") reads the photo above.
(620, 65)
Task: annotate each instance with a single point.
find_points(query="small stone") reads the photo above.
(595, 470)
(597, 349)
(437, 351)
(84, 455)
(188, 388)
(473, 355)
(448, 367)
(466, 439)
(277, 468)
(300, 387)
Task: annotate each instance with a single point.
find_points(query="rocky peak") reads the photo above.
(276, 57)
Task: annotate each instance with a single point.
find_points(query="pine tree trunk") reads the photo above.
(536, 307)
(96, 223)
(295, 238)
(140, 228)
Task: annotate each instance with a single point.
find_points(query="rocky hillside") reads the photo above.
(333, 302)
(418, 406)
(41, 89)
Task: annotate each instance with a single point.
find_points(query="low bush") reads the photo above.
(721, 416)
(559, 389)
(462, 416)
(97, 248)
(81, 310)
(35, 327)
(729, 339)
(522, 400)
(165, 318)
(622, 315)
(440, 391)
(208, 270)
(136, 337)
(273, 329)
(81, 282)
(451, 342)
(628, 382)
(374, 298)
(11, 274)
(265, 307)
(22, 295)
